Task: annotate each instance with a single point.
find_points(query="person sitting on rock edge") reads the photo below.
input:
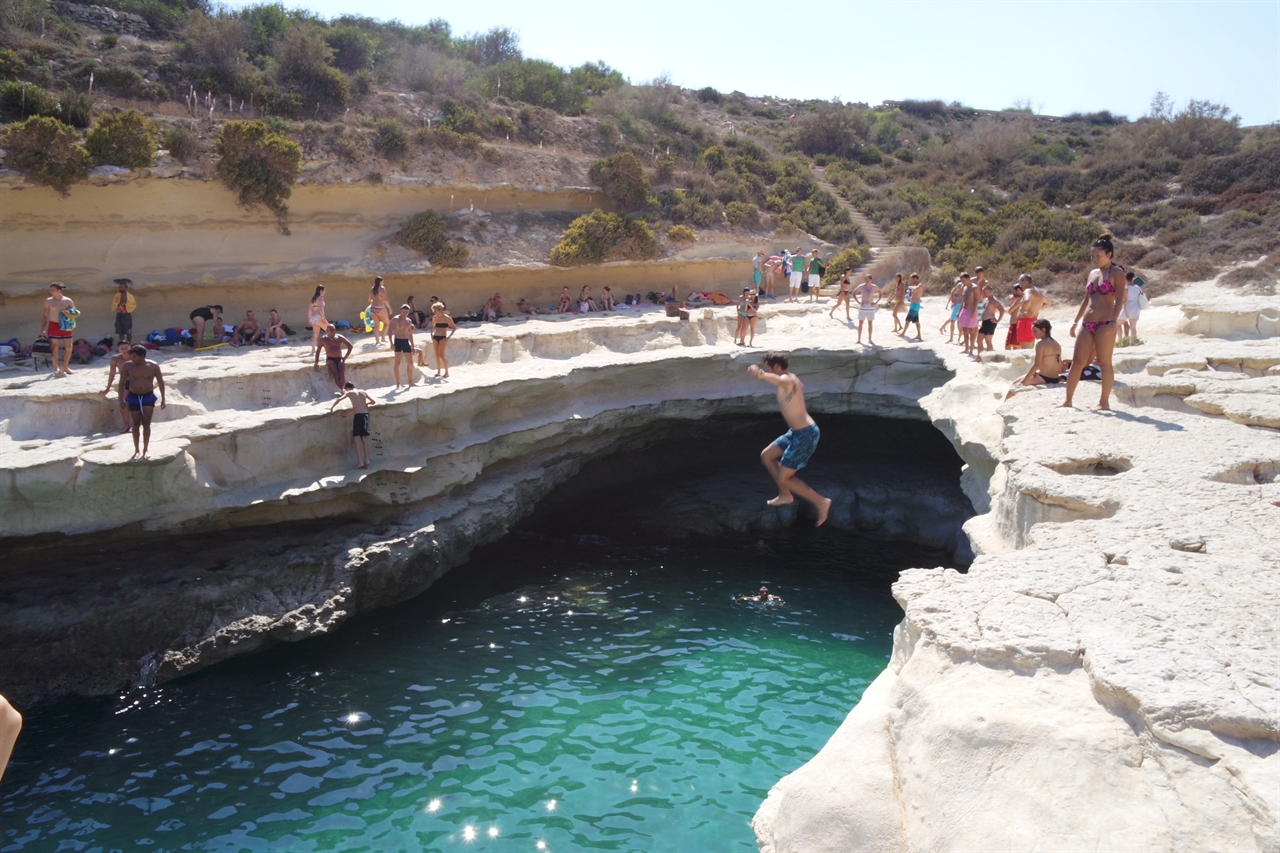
(1047, 366)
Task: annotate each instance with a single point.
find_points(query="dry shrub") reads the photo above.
(1158, 258)
(1192, 270)
(1261, 278)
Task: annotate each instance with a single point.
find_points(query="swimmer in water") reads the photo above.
(761, 597)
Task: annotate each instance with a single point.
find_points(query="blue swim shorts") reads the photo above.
(135, 402)
(798, 446)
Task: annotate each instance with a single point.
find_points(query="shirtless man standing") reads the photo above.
(332, 343)
(138, 380)
(118, 362)
(1033, 301)
(843, 295)
(791, 451)
(402, 342)
(867, 295)
(360, 403)
(1046, 368)
(379, 310)
(59, 339)
(968, 315)
(915, 293)
(992, 311)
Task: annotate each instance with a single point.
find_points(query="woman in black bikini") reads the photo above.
(442, 328)
(1098, 320)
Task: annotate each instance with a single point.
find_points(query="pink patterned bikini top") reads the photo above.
(1104, 286)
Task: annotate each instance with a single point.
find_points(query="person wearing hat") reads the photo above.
(123, 305)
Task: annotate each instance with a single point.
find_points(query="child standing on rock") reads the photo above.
(360, 403)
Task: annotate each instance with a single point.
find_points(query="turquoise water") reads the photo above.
(571, 694)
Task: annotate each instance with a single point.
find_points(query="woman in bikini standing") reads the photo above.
(442, 328)
(1098, 321)
(379, 310)
(316, 318)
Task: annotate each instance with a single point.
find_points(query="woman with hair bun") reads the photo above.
(1097, 321)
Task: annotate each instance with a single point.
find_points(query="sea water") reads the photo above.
(552, 694)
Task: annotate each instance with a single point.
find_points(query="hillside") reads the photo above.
(1189, 192)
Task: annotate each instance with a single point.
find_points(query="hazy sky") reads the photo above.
(984, 54)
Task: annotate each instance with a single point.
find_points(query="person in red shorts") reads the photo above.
(1033, 301)
(57, 326)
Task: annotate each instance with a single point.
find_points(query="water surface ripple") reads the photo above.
(550, 695)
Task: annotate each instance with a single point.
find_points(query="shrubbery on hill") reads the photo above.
(599, 236)
(258, 165)
(47, 151)
(622, 178)
(428, 233)
(122, 139)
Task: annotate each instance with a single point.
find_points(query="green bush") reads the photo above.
(23, 100)
(599, 236)
(390, 138)
(77, 109)
(123, 139)
(490, 154)
(502, 126)
(622, 178)
(47, 152)
(852, 257)
(352, 49)
(427, 232)
(681, 234)
(708, 95)
(181, 143)
(258, 165)
(741, 213)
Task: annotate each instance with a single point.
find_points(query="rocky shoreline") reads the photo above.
(1103, 676)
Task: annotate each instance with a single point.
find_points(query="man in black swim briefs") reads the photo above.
(332, 343)
(138, 380)
(402, 342)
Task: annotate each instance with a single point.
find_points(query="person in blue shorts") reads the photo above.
(791, 451)
(139, 379)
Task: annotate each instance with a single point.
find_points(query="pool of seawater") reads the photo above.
(552, 694)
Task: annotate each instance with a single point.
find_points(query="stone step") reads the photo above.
(875, 236)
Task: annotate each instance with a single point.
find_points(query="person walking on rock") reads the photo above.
(843, 294)
(899, 299)
(790, 452)
(379, 310)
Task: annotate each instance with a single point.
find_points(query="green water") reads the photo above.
(571, 694)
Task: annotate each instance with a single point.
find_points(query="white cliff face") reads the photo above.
(1105, 675)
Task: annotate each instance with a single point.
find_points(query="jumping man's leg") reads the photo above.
(771, 457)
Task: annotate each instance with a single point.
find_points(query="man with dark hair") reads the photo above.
(360, 403)
(332, 343)
(1046, 367)
(138, 380)
(123, 305)
(401, 329)
(914, 293)
(207, 314)
(249, 331)
(791, 451)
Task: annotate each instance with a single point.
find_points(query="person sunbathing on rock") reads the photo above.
(248, 332)
(565, 303)
(1046, 368)
(607, 302)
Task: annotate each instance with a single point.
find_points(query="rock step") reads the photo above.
(874, 234)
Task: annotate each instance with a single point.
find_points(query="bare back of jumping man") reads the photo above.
(790, 452)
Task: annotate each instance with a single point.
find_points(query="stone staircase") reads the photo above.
(886, 259)
(876, 237)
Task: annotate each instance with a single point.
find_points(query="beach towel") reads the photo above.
(719, 299)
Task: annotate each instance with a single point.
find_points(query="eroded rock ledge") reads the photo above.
(1104, 676)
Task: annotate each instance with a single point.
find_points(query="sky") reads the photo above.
(1057, 57)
